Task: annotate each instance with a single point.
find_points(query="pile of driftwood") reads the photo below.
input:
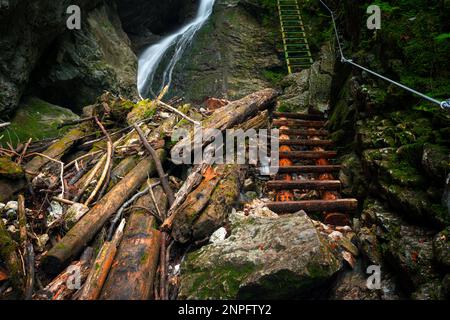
(105, 208)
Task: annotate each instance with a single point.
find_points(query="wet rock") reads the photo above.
(369, 244)
(311, 87)
(231, 56)
(352, 177)
(441, 248)
(261, 254)
(27, 29)
(415, 204)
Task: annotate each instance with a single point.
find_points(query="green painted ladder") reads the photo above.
(296, 47)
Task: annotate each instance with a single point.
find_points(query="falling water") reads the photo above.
(149, 61)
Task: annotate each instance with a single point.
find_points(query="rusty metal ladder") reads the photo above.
(305, 165)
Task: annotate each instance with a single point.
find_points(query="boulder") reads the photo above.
(263, 258)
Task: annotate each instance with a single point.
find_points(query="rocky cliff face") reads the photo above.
(233, 55)
(146, 21)
(27, 28)
(80, 65)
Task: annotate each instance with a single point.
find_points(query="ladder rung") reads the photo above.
(300, 116)
(308, 155)
(310, 169)
(298, 123)
(345, 205)
(309, 143)
(304, 185)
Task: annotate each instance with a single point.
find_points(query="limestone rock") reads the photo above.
(96, 58)
(232, 56)
(28, 28)
(282, 257)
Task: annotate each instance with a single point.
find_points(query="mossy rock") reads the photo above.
(407, 248)
(10, 169)
(264, 258)
(436, 161)
(36, 119)
(415, 204)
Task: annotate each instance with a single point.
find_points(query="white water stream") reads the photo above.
(150, 60)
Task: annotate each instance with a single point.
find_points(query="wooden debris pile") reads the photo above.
(103, 213)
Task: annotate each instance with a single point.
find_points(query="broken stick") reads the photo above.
(102, 264)
(159, 168)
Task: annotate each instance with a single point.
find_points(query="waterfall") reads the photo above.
(150, 60)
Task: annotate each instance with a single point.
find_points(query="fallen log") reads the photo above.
(132, 275)
(221, 202)
(68, 281)
(56, 150)
(84, 231)
(194, 179)
(195, 202)
(233, 114)
(102, 264)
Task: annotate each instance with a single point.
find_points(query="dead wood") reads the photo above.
(102, 264)
(159, 168)
(56, 150)
(84, 231)
(132, 276)
(222, 200)
(195, 202)
(233, 114)
(68, 281)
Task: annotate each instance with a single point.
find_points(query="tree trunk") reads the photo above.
(132, 275)
(221, 202)
(56, 150)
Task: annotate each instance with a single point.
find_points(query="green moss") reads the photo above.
(275, 77)
(36, 119)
